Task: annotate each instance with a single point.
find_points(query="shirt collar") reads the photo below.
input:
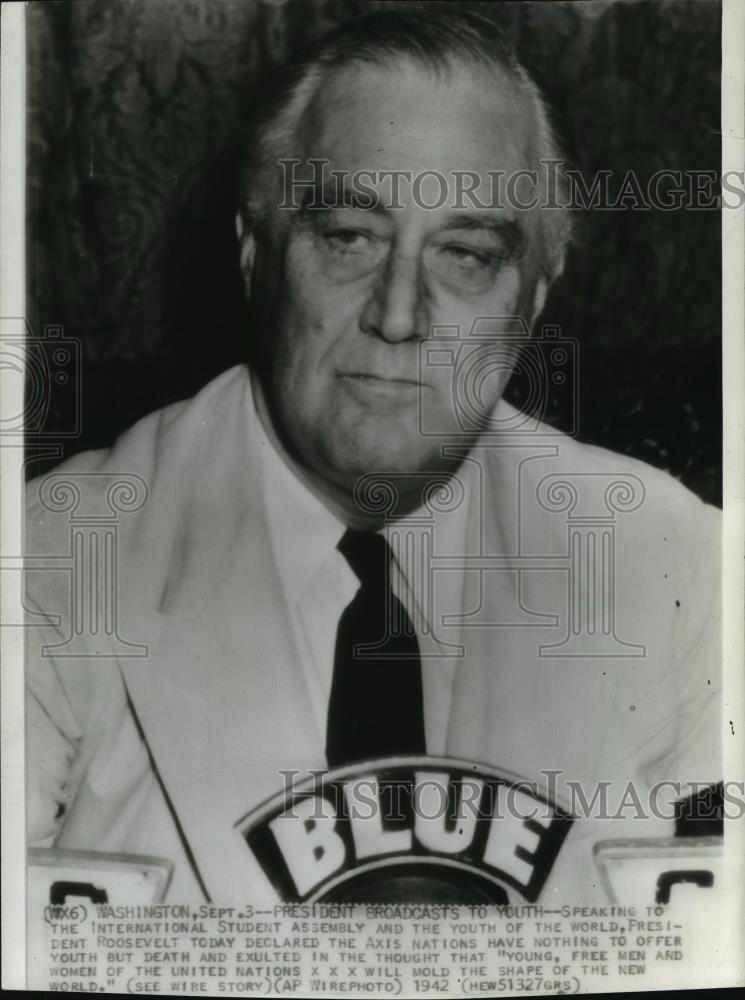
(303, 530)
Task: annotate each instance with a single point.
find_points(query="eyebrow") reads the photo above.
(506, 230)
(336, 193)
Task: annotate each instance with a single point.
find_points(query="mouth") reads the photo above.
(366, 386)
(381, 391)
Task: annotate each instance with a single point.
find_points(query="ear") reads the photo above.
(247, 242)
(542, 288)
(539, 299)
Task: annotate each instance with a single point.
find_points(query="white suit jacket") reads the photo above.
(591, 642)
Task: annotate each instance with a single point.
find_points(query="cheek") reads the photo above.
(505, 299)
(315, 312)
(313, 323)
(302, 320)
(462, 312)
(465, 390)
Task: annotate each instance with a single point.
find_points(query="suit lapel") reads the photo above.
(222, 699)
(487, 597)
(512, 707)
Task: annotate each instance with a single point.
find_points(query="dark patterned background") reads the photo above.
(133, 107)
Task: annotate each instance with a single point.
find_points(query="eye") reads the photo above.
(466, 267)
(346, 253)
(467, 263)
(468, 256)
(347, 240)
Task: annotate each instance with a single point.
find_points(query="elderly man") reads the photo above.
(352, 550)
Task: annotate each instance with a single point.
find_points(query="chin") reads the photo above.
(397, 454)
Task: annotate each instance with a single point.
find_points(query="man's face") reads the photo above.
(347, 296)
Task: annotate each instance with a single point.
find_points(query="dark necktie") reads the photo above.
(375, 708)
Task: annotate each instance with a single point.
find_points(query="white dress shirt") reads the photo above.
(318, 584)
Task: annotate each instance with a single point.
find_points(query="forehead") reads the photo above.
(405, 116)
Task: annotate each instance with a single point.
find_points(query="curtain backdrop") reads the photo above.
(134, 111)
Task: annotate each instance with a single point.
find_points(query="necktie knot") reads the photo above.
(368, 555)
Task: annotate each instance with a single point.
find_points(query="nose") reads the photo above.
(396, 308)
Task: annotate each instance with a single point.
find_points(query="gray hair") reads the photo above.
(435, 40)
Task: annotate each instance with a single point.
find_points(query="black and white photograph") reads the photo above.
(372, 454)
